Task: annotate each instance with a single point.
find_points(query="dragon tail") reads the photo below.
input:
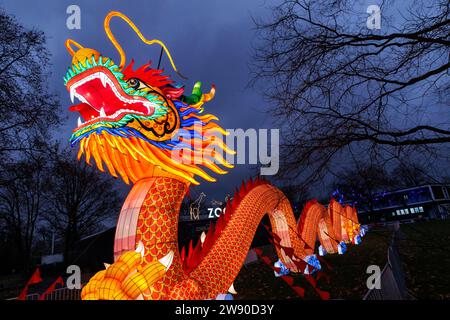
(216, 260)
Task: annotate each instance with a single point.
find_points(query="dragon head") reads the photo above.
(130, 120)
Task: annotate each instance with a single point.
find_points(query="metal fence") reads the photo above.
(64, 294)
(58, 294)
(392, 278)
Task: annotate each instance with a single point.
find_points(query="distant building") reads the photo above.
(421, 202)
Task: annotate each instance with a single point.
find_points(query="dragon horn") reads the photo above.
(69, 43)
(167, 260)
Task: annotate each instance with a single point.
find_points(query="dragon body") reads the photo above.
(141, 127)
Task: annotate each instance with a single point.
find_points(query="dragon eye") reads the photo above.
(134, 83)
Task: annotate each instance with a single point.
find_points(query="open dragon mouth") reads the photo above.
(103, 98)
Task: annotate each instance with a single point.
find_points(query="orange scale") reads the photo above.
(154, 251)
(147, 236)
(155, 216)
(155, 296)
(157, 287)
(148, 224)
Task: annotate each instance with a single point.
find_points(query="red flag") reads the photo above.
(23, 294)
(324, 295)
(299, 290)
(52, 288)
(289, 251)
(258, 251)
(266, 260)
(35, 278)
(289, 280)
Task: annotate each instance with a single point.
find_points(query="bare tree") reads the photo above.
(362, 184)
(411, 173)
(22, 203)
(298, 195)
(27, 109)
(337, 86)
(80, 200)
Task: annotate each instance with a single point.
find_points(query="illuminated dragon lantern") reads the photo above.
(141, 127)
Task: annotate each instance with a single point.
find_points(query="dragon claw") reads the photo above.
(140, 249)
(128, 278)
(167, 260)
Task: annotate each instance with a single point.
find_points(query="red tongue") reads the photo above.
(86, 111)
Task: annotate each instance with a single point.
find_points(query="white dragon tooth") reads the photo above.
(102, 112)
(79, 121)
(232, 290)
(72, 94)
(203, 237)
(103, 79)
(106, 265)
(140, 248)
(167, 260)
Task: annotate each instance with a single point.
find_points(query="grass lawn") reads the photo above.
(347, 274)
(425, 251)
